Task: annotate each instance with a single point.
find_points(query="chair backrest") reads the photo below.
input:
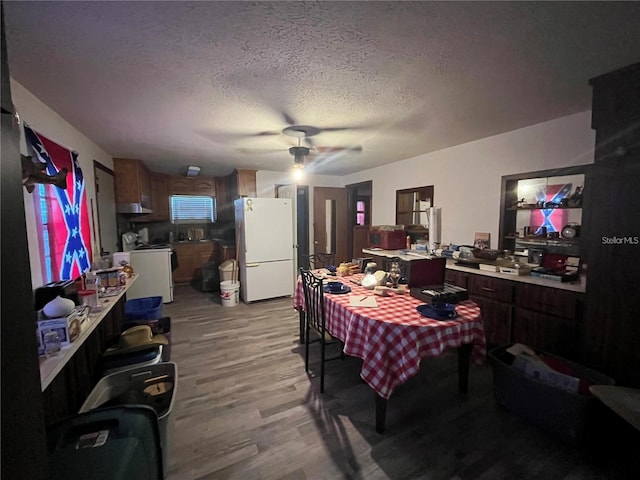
(320, 260)
(312, 287)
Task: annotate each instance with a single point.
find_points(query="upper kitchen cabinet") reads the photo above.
(132, 186)
(159, 200)
(192, 186)
(245, 183)
(240, 183)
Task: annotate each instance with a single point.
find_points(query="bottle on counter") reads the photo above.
(170, 237)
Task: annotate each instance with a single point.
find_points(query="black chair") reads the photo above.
(312, 287)
(321, 260)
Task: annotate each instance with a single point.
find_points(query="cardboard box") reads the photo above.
(68, 327)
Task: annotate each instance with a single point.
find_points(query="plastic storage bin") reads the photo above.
(117, 443)
(569, 416)
(153, 386)
(147, 308)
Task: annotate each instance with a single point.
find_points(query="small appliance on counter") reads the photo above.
(62, 288)
(560, 268)
(447, 293)
(387, 237)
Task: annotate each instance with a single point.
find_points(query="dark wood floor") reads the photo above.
(245, 409)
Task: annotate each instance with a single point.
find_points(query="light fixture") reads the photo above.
(193, 171)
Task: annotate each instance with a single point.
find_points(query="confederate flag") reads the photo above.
(68, 235)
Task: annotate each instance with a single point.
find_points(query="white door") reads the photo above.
(268, 229)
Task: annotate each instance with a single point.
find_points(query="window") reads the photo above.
(192, 209)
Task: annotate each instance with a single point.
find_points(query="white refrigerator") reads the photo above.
(264, 242)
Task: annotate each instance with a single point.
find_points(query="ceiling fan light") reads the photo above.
(298, 161)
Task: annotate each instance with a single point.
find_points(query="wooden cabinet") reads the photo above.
(495, 298)
(192, 185)
(549, 319)
(245, 183)
(186, 262)
(612, 328)
(192, 256)
(543, 317)
(240, 183)
(132, 182)
(159, 200)
(456, 278)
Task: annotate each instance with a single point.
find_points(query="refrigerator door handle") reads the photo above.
(250, 265)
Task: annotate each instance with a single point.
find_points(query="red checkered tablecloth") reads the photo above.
(392, 337)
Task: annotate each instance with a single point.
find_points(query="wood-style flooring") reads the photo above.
(246, 409)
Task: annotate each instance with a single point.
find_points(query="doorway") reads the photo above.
(330, 222)
(106, 208)
(359, 195)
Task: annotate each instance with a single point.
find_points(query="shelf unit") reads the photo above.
(513, 218)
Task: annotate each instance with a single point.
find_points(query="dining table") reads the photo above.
(392, 337)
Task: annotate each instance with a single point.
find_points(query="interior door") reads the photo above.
(330, 222)
(106, 208)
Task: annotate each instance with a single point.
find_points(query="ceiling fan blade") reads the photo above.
(267, 133)
(320, 149)
(288, 118)
(350, 127)
(259, 151)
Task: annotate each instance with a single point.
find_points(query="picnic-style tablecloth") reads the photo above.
(393, 337)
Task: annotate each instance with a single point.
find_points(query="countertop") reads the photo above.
(578, 286)
(219, 241)
(50, 367)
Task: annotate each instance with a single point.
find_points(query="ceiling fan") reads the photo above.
(301, 152)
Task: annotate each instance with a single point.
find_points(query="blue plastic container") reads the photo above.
(146, 308)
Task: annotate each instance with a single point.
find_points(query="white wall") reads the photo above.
(44, 120)
(467, 178)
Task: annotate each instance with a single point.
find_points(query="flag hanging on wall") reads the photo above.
(64, 217)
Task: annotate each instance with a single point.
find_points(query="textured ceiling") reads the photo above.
(212, 83)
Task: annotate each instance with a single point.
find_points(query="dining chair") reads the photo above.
(321, 260)
(312, 286)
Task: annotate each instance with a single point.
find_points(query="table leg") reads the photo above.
(301, 318)
(464, 359)
(381, 413)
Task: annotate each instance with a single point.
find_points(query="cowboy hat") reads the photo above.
(135, 339)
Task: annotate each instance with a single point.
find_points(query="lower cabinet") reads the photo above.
(542, 317)
(495, 298)
(192, 257)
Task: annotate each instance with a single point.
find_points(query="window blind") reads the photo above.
(192, 209)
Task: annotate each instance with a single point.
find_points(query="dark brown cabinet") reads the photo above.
(132, 182)
(159, 200)
(240, 183)
(612, 310)
(543, 317)
(495, 298)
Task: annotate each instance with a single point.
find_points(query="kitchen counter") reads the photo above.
(50, 367)
(579, 286)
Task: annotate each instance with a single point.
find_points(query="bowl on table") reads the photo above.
(444, 309)
(334, 286)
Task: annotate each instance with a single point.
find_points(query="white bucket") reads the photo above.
(229, 293)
